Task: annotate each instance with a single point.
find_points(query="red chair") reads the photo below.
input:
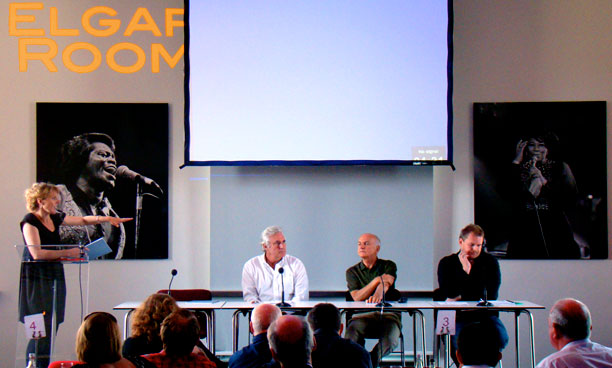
(188, 295)
(64, 363)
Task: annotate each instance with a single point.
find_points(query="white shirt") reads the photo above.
(579, 353)
(262, 283)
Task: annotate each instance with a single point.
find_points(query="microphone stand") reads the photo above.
(484, 302)
(139, 196)
(282, 303)
(383, 303)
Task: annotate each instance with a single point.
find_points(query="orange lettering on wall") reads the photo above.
(140, 57)
(171, 23)
(14, 19)
(157, 50)
(67, 57)
(45, 57)
(135, 24)
(54, 29)
(112, 25)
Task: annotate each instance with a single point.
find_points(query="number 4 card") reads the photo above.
(34, 326)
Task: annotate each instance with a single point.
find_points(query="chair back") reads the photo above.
(64, 363)
(186, 295)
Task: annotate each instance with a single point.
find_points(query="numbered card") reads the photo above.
(34, 326)
(446, 322)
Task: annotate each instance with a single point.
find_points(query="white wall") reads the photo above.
(520, 50)
(526, 50)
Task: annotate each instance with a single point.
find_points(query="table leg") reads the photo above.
(235, 330)
(126, 324)
(516, 338)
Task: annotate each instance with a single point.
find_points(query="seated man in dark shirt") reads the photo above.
(258, 352)
(332, 350)
(471, 275)
(367, 281)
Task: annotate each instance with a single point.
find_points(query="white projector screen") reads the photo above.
(318, 82)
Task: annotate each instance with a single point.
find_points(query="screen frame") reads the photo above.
(449, 107)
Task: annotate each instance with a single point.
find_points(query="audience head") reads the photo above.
(291, 341)
(39, 192)
(479, 344)
(180, 333)
(325, 316)
(262, 317)
(569, 320)
(98, 340)
(150, 314)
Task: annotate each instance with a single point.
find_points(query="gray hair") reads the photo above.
(268, 232)
(572, 318)
(263, 315)
(295, 352)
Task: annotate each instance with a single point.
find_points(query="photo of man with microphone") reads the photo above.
(92, 164)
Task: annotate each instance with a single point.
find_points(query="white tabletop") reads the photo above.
(194, 304)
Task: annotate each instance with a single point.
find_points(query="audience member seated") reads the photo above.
(478, 345)
(258, 352)
(180, 334)
(332, 350)
(98, 344)
(569, 331)
(146, 324)
(291, 342)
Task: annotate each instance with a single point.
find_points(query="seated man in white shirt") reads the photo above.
(569, 331)
(261, 279)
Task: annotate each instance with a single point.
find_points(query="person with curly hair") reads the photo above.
(41, 269)
(146, 325)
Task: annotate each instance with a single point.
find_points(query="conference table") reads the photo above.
(413, 307)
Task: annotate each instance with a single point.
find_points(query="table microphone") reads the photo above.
(282, 303)
(383, 302)
(484, 302)
(173, 273)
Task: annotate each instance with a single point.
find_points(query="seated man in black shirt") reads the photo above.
(367, 280)
(471, 275)
(332, 350)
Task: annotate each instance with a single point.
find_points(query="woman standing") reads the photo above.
(39, 279)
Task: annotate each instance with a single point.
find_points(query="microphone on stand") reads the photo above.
(383, 302)
(174, 272)
(282, 303)
(484, 302)
(125, 172)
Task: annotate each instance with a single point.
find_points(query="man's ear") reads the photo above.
(251, 328)
(273, 354)
(341, 329)
(314, 343)
(459, 357)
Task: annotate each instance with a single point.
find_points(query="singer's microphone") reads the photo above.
(282, 303)
(174, 272)
(125, 172)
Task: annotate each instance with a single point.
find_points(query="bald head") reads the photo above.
(571, 319)
(262, 317)
(291, 341)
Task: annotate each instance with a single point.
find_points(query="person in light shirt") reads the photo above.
(569, 331)
(261, 277)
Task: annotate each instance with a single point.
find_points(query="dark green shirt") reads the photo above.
(359, 275)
